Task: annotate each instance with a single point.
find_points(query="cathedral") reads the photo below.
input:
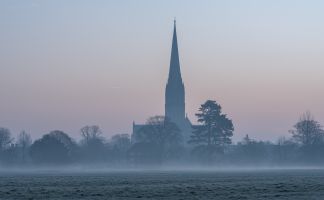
(174, 94)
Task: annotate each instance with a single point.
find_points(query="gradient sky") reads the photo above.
(66, 64)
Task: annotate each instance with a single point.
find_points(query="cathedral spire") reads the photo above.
(174, 71)
(175, 92)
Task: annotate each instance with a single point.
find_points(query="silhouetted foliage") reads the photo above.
(285, 151)
(93, 147)
(91, 134)
(5, 138)
(213, 133)
(120, 144)
(23, 144)
(252, 151)
(160, 141)
(161, 133)
(144, 153)
(307, 130)
(53, 148)
(6, 152)
(309, 134)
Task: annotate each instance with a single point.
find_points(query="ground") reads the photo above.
(157, 184)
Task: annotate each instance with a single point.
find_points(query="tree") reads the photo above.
(215, 129)
(92, 144)
(309, 134)
(307, 130)
(247, 140)
(91, 134)
(7, 148)
(252, 152)
(120, 144)
(5, 138)
(285, 151)
(24, 142)
(55, 147)
(163, 134)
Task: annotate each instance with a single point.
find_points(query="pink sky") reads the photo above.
(68, 64)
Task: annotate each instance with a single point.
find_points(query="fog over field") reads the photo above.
(159, 144)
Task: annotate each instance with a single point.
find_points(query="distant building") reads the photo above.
(174, 94)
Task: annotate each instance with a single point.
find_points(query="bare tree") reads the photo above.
(307, 130)
(90, 133)
(93, 145)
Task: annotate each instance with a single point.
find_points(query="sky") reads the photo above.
(67, 64)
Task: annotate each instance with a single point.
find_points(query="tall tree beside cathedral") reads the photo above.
(215, 129)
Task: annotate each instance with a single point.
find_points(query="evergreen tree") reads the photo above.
(215, 129)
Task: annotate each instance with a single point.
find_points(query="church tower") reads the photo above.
(175, 92)
(174, 96)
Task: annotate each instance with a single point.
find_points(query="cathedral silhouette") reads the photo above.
(174, 94)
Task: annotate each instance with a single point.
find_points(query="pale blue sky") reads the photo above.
(65, 64)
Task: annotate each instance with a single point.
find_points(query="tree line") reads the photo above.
(160, 142)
